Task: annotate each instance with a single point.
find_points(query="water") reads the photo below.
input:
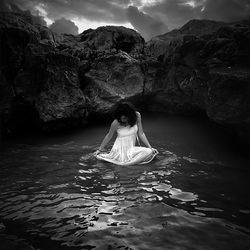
(193, 195)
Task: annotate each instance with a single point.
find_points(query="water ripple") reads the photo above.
(61, 192)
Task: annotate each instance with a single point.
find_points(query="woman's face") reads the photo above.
(124, 119)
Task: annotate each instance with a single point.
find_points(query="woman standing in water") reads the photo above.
(127, 122)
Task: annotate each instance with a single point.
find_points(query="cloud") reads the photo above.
(175, 13)
(145, 24)
(95, 10)
(64, 26)
(149, 17)
(35, 18)
(4, 6)
(226, 10)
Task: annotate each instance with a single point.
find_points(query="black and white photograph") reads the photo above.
(125, 124)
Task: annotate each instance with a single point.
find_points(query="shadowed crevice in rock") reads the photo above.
(23, 116)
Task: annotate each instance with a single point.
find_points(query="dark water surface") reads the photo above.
(193, 195)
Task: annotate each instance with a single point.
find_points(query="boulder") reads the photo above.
(53, 82)
(113, 37)
(159, 45)
(40, 84)
(228, 101)
(110, 79)
(208, 73)
(49, 81)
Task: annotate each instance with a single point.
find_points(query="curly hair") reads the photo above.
(127, 109)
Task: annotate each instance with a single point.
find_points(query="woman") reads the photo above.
(127, 123)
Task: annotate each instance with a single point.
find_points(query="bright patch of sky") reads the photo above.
(42, 12)
(84, 24)
(81, 22)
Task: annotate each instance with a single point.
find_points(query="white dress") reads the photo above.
(124, 151)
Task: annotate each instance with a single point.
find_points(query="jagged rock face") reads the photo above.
(41, 87)
(228, 101)
(114, 77)
(111, 79)
(52, 81)
(15, 34)
(112, 37)
(43, 74)
(103, 41)
(209, 73)
(110, 65)
(162, 44)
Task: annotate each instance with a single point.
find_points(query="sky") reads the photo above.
(148, 17)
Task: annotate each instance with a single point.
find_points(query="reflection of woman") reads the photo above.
(127, 122)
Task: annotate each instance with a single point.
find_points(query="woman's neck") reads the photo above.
(124, 124)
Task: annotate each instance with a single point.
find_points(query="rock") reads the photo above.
(15, 34)
(228, 101)
(48, 36)
(40, 85)
(50, 71)
(108, 40)
(2, 227)
(111, 79)
(13, 242)
(49, 82)
(161, 44)
(54, 82)
(201, 27)
(113, 37)
(209, 72)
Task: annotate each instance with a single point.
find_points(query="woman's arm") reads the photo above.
(109, 135)
(141, 132)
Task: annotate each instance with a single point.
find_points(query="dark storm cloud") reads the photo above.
(64, 26)
(8, 6)
(148, 17)
(227, 10)
(97, 10)
(174, 13)
(4, 6)
(145, 24)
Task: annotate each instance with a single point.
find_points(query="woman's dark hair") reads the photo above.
(127, 109)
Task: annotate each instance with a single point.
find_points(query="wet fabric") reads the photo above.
(125, 151)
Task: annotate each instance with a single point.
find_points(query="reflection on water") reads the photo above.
(186, 198)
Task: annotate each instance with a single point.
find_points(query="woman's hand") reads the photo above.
(96, 152)
(154, 150)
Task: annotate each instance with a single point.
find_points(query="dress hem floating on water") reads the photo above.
(105, 158)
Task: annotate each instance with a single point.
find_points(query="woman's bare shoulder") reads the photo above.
(115, 123)
(138, 114)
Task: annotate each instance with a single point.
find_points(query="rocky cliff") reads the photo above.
(52, 82)
(207, 68)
